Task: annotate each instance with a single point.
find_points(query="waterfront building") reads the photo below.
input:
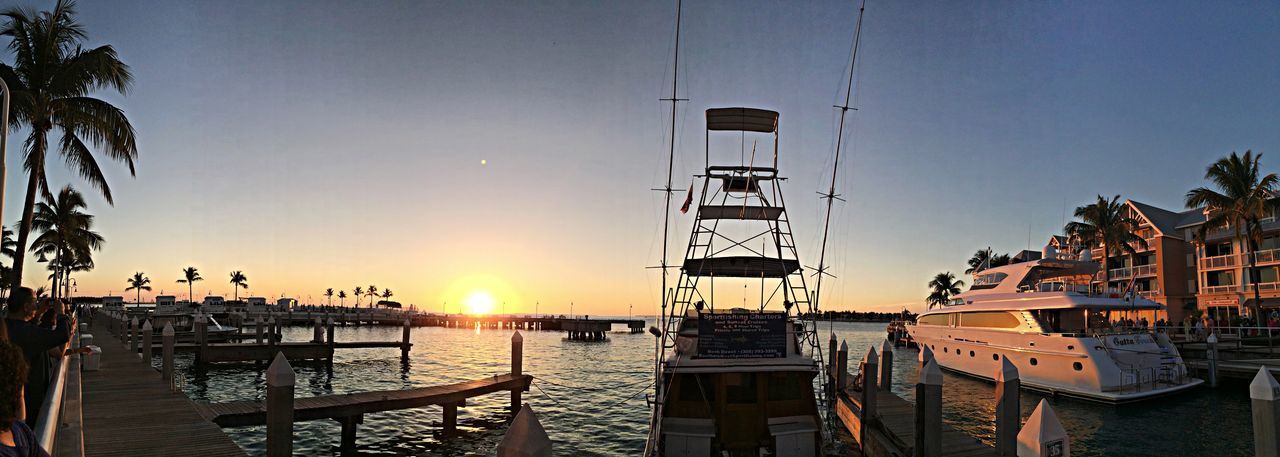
(1225, 286)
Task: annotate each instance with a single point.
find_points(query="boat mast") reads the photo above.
(831, 194)
(666, 215)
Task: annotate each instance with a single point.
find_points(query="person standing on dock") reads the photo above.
(35, 342)
(16, 439)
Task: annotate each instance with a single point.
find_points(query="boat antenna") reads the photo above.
(831, 196)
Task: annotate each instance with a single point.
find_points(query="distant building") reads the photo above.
(113, 301)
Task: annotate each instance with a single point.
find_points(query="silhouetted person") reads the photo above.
(16, 439)
(35, 342)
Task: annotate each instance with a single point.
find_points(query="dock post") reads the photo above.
(257, 329)
(525, 437)
(349, 423)
(135, 333)
(271, 332)
(831, 360)
(329, 332)
(1212, 355)
(842, 365)
(202, 337)
(146, 342)
(925, 356)
(1043, 435)
(318, 334)
(280, 380)
(166, 353)
(404, 341)
(1008, 408)
(517, 369)
(1264, 393)
(869, 369)
(929, 411)
(886, 366)
(450, 419)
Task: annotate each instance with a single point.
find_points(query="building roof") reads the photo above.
(1165, 221)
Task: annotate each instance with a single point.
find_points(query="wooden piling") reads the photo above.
(280, 381)
(517, 368)
(842, 366)
(166, 353)
(329, 332)
(1212, 355)
(450, 419)
(870, 367)
(404, 341)
(202, 337)
(317, 335)
(831, 359)
(349, 424)
(925, 356)
(1008, 408)
(886, 366)
(146, 342)
(1043, 435)
(1264, 394)
(133, 335)
(257, 329)
(929, 411)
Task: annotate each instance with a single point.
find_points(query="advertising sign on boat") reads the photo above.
(742, 336)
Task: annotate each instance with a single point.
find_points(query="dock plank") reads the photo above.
(121, 404)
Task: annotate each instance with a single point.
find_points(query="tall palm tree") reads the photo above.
(1104, 223)
(139, 282)
(189, 277)
(238, 280)
(372, 292)
(944, 286)
(7, 244)
(329, 293)
(1242, 198)
(358, 292)
(342, 298)
(386, 294)
(52, 77)
(66, 233)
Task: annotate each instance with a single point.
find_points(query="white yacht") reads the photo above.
(1047, 319)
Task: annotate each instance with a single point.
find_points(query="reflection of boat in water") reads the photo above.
(1044, 316)
(738, 381)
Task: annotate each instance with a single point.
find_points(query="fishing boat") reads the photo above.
(1061, 333)
(738, 379)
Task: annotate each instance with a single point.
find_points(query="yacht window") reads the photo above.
(989, 319)
(933, 319)
(988, 280)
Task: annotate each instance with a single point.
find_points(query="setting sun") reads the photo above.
(479, 302)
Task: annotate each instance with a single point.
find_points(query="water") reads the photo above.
(591, 397)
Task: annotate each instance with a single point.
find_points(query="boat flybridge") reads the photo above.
(1060, 332)
(738, 380)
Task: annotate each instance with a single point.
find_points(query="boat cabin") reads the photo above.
(113, 301)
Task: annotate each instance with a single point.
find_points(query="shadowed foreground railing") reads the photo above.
(61, 385)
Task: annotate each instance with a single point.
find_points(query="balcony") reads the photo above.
(1219, 289)
(1128, 272)
(1267, 257)
(1148, 293)
(1218, 262)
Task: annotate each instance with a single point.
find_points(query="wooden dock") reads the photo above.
(129, 410)
(895, 431)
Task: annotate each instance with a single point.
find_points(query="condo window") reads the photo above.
(989, 319)
(1217, 249)
(1220, 278)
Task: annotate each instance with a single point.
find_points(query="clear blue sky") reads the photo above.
(335, 144)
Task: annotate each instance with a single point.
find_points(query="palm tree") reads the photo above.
(1244, 196)
(329, 293)
(189, 276)
(386, 294)
(358, 291)
(238, 280)
(66, 233)
(7, 245)
(944, 286)
(984, 259)
(52, 78)
(342, 298)
(42, 291)
(1104, 223)
(372, 292)
(139, 283)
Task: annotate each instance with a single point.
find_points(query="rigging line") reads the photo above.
(835, 165)
(618, 386)
(666, 219)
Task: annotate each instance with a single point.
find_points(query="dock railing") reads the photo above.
(51, 408)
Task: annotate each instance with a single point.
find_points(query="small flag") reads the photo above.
(688, 200)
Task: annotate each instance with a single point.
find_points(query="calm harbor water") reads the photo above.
(591, 397)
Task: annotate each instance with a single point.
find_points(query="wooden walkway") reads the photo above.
(246, 413)
(128, 410)
(897, 418)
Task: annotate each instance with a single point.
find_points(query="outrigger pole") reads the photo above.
(831, 194)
